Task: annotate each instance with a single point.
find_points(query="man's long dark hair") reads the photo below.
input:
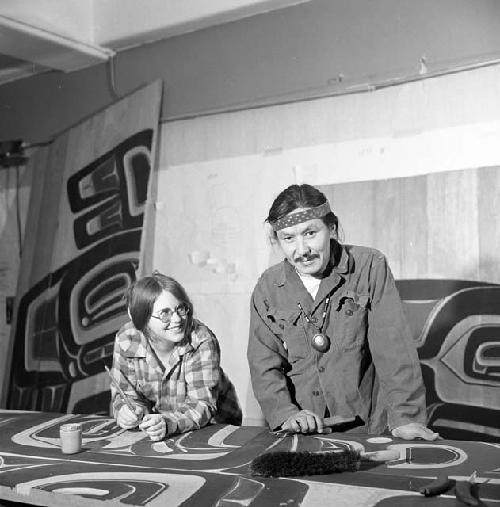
(300, 196)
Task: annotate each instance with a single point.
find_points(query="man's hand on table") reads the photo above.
(308, 422)
(412, 431)
(304, 421)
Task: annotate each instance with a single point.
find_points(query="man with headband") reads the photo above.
(328, 337)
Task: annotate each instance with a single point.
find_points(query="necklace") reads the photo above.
(319, 341)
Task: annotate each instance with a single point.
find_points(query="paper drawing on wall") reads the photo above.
(202, 259)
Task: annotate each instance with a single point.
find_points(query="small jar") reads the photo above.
(71, 438)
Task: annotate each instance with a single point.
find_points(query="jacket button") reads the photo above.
(315, 393)
(348, 312)
(321, 369)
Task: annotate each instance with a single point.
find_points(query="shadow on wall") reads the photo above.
(456, 325)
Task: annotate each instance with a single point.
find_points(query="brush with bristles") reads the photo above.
(300, 463)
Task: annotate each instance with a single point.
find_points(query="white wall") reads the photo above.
(219, 174)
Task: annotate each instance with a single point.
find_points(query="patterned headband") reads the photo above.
(301, 216)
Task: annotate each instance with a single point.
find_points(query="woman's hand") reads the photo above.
(155, 426)
(127, 419)
(304, 421)
(412, 431)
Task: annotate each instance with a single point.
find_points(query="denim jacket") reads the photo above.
(371, 370)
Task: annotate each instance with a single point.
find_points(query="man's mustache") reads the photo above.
(307, 257)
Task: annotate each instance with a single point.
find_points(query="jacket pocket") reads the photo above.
(351, 319)
(290, 331)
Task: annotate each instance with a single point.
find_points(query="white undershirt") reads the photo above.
(311, 283)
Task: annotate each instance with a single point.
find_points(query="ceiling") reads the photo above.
(66, 35)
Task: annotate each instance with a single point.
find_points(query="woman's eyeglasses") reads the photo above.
(165, 315)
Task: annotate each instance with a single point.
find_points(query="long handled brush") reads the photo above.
(293, 463)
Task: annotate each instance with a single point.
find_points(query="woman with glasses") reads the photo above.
(167, 365)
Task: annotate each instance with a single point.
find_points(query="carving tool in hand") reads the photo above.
(122, 394)
(328, 424)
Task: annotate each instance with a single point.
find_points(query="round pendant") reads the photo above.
(321, 342)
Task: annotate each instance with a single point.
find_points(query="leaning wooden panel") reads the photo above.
(353, 203)
(388, 218)
(85, 248)
(453, 246)
(414, 227)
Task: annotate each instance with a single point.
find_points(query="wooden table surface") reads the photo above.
(211, 467)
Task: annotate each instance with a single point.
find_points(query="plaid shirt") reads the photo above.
(191, 391)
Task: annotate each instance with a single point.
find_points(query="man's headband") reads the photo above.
(301, 216)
